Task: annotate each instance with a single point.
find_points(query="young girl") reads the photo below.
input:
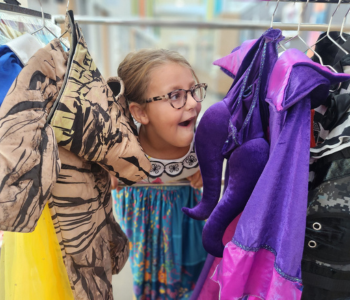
(166, 246)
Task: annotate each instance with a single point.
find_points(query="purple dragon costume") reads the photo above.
(270, 100)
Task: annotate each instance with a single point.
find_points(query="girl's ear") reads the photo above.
(139, 113)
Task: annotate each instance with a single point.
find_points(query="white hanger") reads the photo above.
(271, 25)
(44, 25)
(342, 25)
(300, 38)
(274, 12)
(329, 27)
(341, 30)
(67, 29)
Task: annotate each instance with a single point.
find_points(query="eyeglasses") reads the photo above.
(178, 98)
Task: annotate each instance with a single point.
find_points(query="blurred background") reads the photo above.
(109, 44)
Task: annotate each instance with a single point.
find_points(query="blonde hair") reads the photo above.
(136, 67)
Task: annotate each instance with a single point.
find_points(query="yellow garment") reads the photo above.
(31, 265)
(9, 32)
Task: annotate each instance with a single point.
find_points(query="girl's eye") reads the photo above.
(175, 96)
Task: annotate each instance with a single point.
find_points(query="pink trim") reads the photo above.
(233, 61)
(210, 289)
(242, 273)
(279, 77)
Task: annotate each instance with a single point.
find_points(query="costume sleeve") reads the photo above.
(29, 162)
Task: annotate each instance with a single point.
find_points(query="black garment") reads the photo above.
(326, 257)
(324, 283)
(328, 51)
(337, 117)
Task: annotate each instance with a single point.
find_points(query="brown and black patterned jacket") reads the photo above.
(67, 161)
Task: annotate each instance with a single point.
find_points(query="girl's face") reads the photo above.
(169, 125)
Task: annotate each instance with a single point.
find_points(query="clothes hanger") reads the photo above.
(281, 45)
(341, 30)
(335, 43)
(342, 26)
(45, 27)
(310, 48)
(274, 12)
(66, 13)
(271, 25)
(329, 27)
(300, 38)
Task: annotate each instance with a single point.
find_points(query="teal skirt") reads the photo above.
(166, 252)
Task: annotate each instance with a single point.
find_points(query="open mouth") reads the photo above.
(187, 122)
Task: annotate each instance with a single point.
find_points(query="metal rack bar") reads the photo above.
(22, 10)
(200, 25)
(60, 19)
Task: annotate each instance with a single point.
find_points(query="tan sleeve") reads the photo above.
(29, 161)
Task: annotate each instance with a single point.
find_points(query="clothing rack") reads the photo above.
(60, 19)
(210, 25)
(16, 20)
(22, 10)
(200, 25)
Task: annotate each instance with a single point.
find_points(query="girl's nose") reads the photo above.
(191, 103)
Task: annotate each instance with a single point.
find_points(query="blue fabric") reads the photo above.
(166, 253)
(10, 67)
(44, 38)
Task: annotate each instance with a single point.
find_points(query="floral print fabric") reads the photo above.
(166, 251)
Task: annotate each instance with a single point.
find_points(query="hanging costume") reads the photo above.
(332, 127)
(95, 135)
(271, 246)
(230, 64)
(13, 56)
(37, 253)
(240, 114)
(263, 259)
(326, 262)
